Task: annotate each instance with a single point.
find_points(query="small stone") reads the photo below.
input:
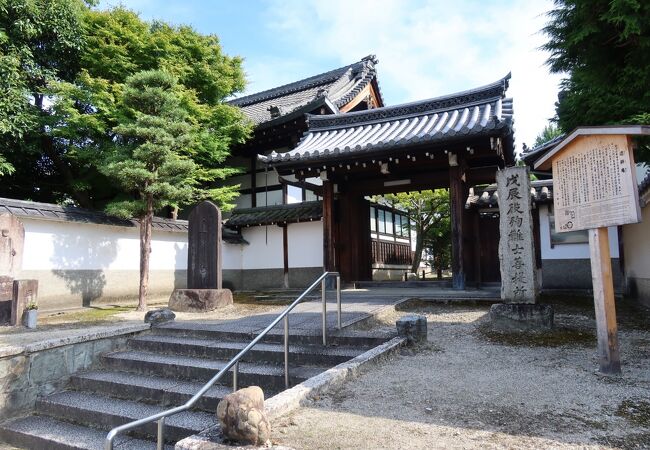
(242, 417)
(158, 316)
(413, 327)
(428, 410)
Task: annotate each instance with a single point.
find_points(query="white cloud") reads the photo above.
(426, 48)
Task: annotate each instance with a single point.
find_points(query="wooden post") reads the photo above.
(329, 254)
(601, 275)
(457, 203)
(285, 253)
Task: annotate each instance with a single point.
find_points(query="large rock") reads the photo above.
(242, 417)
(199, 300)
(159, 316)
(521, 316)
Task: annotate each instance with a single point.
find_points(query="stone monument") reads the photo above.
(204, 290)
(519, 286)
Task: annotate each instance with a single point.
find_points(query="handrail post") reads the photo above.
(338, 300)
(324, 300)
(235, 371)
(286, 351)
(161, 434)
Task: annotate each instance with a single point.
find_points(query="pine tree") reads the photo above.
(150, 162)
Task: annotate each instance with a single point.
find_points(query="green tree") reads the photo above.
(604, 48)
(550, 131)
(68, 131)
(39, 44)
(151, 158)
(429, 213)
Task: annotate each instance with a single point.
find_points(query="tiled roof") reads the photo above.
(49, 211)
(533, 154)
(481, 111)
(488, 197)
(268, 215)
(336, 87)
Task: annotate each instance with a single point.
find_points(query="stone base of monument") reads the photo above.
(199, 300)
(521, 317)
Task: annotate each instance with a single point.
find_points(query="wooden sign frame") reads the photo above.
(614, 201)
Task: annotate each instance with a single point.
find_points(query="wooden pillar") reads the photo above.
(457, 205)
(285, 253)
(253, 181)
(329, 251)
(477, 253)
(601, 275)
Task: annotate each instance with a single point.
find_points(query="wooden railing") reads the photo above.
(391, 253)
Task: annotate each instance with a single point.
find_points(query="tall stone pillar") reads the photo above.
(204, 279)
(519, 286)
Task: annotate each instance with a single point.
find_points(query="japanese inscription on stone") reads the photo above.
(516, 245)
(204, 247)
(594, 184)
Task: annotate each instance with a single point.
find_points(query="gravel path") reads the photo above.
(471, 388)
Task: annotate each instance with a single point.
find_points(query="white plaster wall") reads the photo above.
(53, 245)
(568, 251)
(232, 256)
(265, 251)
(305, 244)
(636, 240)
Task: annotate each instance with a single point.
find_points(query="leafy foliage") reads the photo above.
(550, 132)
(62, 138)
(430, 214)
(604, 48)
(150, 159)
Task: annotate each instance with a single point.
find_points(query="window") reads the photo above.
(373, 219)
(389, 222)
(381, 221)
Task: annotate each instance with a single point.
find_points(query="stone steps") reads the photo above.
(165, 369)
(263, 352)
(102, 412)
(168, 392)
(218, 332)
(46, 433)
(267, 376)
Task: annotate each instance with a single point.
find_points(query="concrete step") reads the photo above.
(46, 433)
(268, 377)
(262, 352)
(106, 412)
(149, 389)
(228, 332)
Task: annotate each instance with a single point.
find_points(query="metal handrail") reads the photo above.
(234, 362)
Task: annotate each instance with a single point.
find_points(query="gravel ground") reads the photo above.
(470, 387)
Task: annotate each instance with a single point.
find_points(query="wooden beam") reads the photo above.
(253, 181)
(601, 275)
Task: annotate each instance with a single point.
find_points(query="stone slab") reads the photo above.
(24, 293)
(199, 300)
(516, 243)
(521, 316)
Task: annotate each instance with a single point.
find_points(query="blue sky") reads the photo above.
(425, 48)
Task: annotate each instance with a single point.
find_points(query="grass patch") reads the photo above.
(636, 411)
(94, 314)
(558, 337)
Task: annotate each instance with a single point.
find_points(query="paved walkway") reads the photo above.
(306, 318)
(356, 305)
